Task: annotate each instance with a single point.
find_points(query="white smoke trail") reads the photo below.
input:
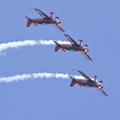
(16, 44)
(36, 75)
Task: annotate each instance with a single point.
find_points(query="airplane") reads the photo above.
(74, 46)
(44, 20)
(88, 82)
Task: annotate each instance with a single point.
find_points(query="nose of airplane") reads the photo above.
(101, 86)
(59, 22)
(87, 50)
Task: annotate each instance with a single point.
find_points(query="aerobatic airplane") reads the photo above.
(44, 20)
(88, 82)
(74, 46)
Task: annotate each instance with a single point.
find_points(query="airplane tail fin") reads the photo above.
(57, 47)
(72, 82)
(29, 22)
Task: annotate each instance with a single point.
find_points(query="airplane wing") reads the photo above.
(86, 55)
(103, 92)
(42, 14)
(58, 27)
(85, 76)
(71, 40)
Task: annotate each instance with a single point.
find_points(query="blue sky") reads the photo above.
(97, 23)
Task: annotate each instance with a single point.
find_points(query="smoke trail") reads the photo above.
(14, 44)
(36, 75)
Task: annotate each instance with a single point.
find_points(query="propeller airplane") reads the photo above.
(44, 20)
(88, 82)
(74, 46)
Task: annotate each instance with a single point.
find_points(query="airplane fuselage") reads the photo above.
(73, 48)
(45, 20)
(86, 83)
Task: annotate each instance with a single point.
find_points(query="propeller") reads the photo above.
(51, 14)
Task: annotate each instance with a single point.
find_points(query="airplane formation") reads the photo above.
(74, 46)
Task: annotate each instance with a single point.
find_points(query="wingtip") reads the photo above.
(25, 16)
(35, 8)
(79, 71)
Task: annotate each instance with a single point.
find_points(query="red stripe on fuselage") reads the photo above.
(36, 21)
(90, 84)
(46, 21)
(72, 47)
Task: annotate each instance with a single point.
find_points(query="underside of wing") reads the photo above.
(103, 92)
(58, 27)
(42, 14)
(86, 55)
(85, 76)
(71, 40)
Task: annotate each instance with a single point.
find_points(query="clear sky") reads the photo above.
(97, 22)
